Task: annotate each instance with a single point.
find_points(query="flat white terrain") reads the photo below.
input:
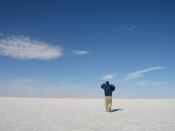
(55, 114)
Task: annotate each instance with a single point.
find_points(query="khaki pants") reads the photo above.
(108, 103)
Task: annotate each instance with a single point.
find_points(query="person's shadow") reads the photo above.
(114, 110)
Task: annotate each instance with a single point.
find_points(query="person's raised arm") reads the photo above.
(113, 88)
(102, 86)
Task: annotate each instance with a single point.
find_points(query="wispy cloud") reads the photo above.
(127, 27)
(110, 76)
(25, 48)
(80, 52)
(141, 73)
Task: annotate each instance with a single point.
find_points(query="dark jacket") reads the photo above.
(108, 89)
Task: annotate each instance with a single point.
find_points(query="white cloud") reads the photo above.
(21, 47)
(132, 27)
(127, 27)
(123, 27)
(81, 52)
(141, 73)
(110, 76)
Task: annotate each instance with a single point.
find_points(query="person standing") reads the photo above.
(108, 89)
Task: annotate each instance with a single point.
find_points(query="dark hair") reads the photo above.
(107, 82)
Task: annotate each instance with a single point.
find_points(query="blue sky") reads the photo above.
(69, 48)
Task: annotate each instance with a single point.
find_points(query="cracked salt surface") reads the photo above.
(57, 114)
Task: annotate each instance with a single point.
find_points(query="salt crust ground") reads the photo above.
(55, 114)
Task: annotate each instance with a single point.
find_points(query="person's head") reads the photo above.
(107, 82)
